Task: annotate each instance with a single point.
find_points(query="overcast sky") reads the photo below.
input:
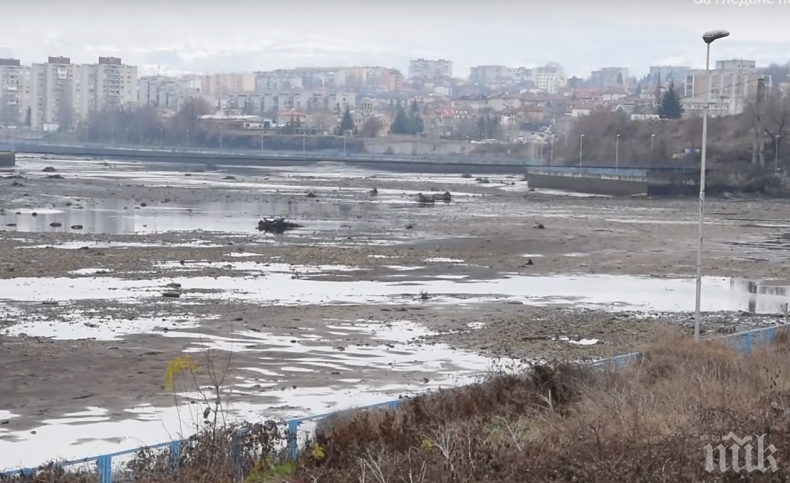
(247, 35)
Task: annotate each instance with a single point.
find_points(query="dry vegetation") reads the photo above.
(730, 138)
(558, 422)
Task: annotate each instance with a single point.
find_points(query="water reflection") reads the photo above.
(117, 217)
(768, 296)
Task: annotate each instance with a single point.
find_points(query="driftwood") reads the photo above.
(431, 199)
(276, 225)
(425, 199)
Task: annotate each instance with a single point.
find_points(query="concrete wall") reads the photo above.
(7, 160)
(593, 183)
(411, 146)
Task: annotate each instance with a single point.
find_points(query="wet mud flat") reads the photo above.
(372, 293)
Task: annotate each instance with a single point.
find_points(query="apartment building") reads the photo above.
(424, 69)
(732, 85)
(550, 78)
(661, 75)
(491, 75)
(14, 92)
(61, 94)
(307, 100)
(609, 77)
(221, 84)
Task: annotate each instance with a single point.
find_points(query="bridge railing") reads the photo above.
(742, 342)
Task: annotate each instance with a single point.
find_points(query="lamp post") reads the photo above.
(187, 138)
(581, 149)
(617, 153)
(551, 156)
(652, 140)
(708, 38)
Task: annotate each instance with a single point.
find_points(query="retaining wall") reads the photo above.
(589, 182)
(7, 160)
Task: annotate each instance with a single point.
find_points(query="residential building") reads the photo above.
(661, 75)
(550, 78)
(220, 84)
(609, 77)
(732, 84)
(115, 84)
(491, 75)
(63, 94)
(424, 69)
(14, 92)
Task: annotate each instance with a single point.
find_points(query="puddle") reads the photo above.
(421, 368)
(282, 285)
(116, 217)
(74, 324)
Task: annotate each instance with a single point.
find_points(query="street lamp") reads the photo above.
(551, 156)
(652, 140)
(617, 153)
(708, 38)
(581, 148)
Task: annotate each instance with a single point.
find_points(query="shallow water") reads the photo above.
(101, 431)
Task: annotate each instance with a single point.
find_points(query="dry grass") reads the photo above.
(558, 422)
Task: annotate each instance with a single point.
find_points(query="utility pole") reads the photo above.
(758, 145)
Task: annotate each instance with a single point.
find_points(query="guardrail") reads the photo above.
(743, 342)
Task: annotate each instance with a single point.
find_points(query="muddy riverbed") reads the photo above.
(111, 270)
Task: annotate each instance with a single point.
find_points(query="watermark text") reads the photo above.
(735, 452)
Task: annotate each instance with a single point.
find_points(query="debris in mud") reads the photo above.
(409, 226)
(76, 227)
(310, 194)
(56, 224)
(431, 199)
(32, 214)
(540, 226)
(374, 192)
(55, 176)
(530, 262)
(424, 295)
(466, 175)
(17, 184)
(483, 180)
(425, 199)
(276, 225)
(49, 169)
(171, 294)
(229, 177)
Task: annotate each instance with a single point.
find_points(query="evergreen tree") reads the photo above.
(347, 123)
(401, 123)
(670, 106)
(414, 108)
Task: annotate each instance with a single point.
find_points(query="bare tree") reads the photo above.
(776, 118)
(371, 128)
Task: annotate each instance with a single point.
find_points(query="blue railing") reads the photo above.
(743, 342)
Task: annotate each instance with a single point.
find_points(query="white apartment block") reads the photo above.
(62, 94)
(549, 79)
(491, 74)
(307, 101)
(221, 84)
(609, 77)
(732, 85)
(424, 69)
(161, 92)
(14, 93)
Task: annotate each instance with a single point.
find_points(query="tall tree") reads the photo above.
(400, 125)
(347, 122)
(670, 106)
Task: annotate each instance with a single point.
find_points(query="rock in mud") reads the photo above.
(276, 225)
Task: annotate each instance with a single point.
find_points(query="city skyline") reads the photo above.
(174, 40)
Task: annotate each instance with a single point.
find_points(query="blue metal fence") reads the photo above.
(743, 342)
